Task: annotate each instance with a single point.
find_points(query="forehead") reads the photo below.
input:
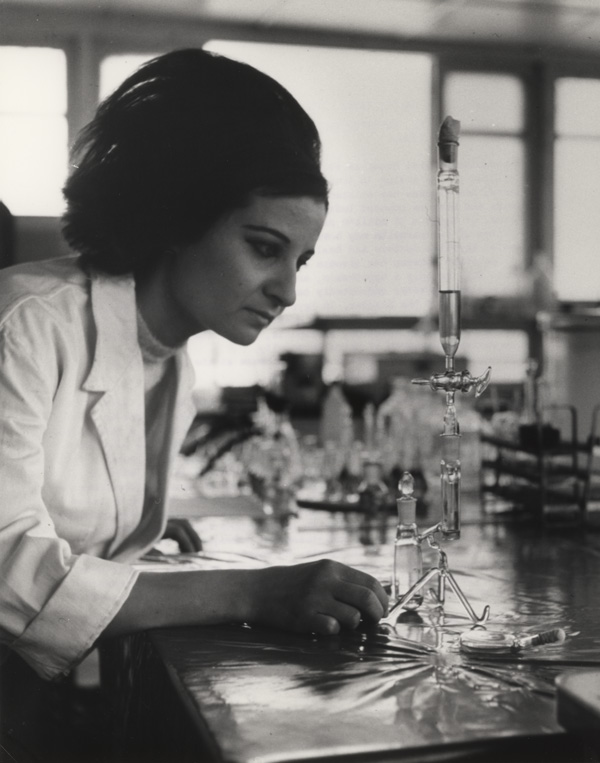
(294, 212)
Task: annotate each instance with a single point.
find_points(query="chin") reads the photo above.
(242, 337)
(245, 342)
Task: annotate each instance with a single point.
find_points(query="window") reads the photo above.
(491, 109)
(115, 69)
(33, 129)
(576, 206)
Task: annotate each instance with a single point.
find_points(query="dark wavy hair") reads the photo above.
(182, 141)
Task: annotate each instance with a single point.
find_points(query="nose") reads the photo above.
(282, 286)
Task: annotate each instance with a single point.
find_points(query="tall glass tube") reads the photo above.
(449, 316)
(450, 486)
(448, 239)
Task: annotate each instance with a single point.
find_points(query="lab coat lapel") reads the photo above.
(118, 374)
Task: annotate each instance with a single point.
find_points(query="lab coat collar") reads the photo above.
(114, 310)
(117, 373)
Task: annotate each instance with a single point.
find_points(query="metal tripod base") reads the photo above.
(445, 577)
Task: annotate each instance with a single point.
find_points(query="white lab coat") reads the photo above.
(72, 457)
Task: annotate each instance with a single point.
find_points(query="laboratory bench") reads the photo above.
(242, 694)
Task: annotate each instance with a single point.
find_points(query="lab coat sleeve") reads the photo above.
(53, 604)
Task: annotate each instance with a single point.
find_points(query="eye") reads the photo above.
(264, 248)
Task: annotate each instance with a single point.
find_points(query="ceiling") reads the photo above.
(566, 24)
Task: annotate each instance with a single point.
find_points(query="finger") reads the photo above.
(361, 579)
(346, 615)
(184, 534)
(185, 543)
(192, 538)
(324, 625)
(174, 532)
(362, 598)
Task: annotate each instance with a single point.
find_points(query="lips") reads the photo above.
(262, 314)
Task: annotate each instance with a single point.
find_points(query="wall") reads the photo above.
(38, 238)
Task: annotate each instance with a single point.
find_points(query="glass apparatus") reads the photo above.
(450, 380)
(408, 556)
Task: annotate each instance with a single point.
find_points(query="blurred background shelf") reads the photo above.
(542, 476)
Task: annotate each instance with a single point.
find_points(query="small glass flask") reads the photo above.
(408, 557)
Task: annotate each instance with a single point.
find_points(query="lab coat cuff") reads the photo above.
(75, 616)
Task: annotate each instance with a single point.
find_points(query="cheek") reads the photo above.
(238, 279)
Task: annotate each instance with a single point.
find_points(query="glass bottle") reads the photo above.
(373, 497)
(372, 492)
(336, 432)
(395, 427)
(335, 423)
(408, 557)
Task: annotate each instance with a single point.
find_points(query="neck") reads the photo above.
(157, 309)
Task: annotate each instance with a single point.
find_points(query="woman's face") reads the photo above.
(241, 274)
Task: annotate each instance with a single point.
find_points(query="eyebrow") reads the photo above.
(266, 229)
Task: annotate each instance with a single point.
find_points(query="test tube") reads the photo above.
(450, 475)
(448, 239)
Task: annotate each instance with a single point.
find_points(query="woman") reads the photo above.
(195, 196)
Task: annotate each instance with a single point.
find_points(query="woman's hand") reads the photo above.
(316, 597)
(181, 530)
